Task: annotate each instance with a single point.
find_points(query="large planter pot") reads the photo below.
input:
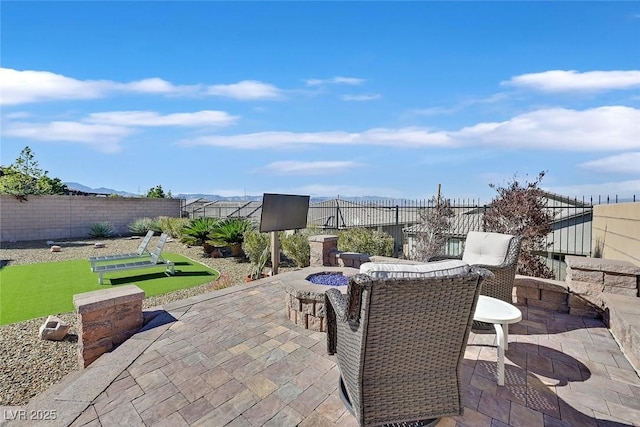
(236, 250)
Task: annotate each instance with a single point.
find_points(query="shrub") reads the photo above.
(363, 240)
(171, 226)
(224, 281)
(296, 247)
(230, 231)
(140, 226)
(433, 229)
(101, 229)
(257, 248)
(196, 232)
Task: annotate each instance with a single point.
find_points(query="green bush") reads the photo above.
(140, 226)
(296, 247)
(171, 226)
(257, 247)
(101, 229)
(230, 231)
(196, 232)
(363, 240)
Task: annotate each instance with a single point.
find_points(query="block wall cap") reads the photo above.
(323, 238)
(602, 264)
(94, 300)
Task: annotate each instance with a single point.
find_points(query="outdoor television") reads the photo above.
(283, 212)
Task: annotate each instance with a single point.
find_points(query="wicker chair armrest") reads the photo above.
(335, 311)
(484, 272)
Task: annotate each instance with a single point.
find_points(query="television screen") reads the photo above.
(283, 212)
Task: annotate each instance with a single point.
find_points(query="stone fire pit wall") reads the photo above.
(106, 318)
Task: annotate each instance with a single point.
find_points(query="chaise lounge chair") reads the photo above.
(139, 253)
(154, 260)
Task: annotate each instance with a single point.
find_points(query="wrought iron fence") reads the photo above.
(571, 227)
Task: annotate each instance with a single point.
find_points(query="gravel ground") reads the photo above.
(28, 365)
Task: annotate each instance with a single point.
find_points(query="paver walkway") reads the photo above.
(233, 358)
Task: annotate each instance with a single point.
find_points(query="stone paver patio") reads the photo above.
(233, 358)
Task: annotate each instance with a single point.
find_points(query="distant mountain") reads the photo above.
(100, 190)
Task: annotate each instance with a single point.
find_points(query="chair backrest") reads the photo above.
(401, 351)
(156, 255)
(486, 248)
(144, 243)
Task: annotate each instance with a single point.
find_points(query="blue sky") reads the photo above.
(325, 98)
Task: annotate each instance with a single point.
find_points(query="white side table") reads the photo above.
(501, 314)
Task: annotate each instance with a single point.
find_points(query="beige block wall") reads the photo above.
(617, 228)
(64, 217)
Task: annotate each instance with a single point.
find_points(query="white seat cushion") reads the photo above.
(383, 270)
(486, 248)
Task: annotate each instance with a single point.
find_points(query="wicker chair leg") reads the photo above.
(347, 403)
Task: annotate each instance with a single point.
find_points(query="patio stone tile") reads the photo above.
(606, 420)
(550, 421)
(305, 341)
(513, 393)
(236, 362)
(248, 370)
(152, 380)
(194, 389)
(635, 390)
(138, 368)
(623, 375)
(622, 362)
(471, 397)
(567, 370)
(473, 418)
(317, 420)
(521, 416)
(617, 386)
(603, 356)
(574, 398)
(244, 400)
(308, 400)
(124, 415)
(631, 415)
(264, 410)
(158, 395)
(331, 408)
(260, 385)
(117, 397)
(328, 382)
(283, 371)
(483, 383)
(216, 377)
(287, 392)
(188, 373)
(195, 410)
(542, 399)
(493, 407)
(496, 423)
(225, 392)
(539, 363)
(163, 409)
(287, 417)
(576, 415)
(590, 389)
(239, 421)
(87, 416)
(173, 420)
(629, 401)
(220, 416)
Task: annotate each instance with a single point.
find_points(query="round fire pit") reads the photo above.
(304, 299)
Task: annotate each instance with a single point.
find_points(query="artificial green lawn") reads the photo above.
(36, 290)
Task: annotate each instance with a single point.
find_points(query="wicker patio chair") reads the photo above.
(400, 343)
(497, 253)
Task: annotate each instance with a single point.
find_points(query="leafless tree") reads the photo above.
(433, 229)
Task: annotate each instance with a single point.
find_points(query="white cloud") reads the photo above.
(151, 118)
(627, 163)
(351, 81)
(621, 189)
(246, 89)
(598, 129)
(388, 137)
(104, 138)
(290, 167)
(364, 97)
(22, 87)
(573, 81)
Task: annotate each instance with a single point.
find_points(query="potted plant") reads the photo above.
(230, 232)
(256, 247)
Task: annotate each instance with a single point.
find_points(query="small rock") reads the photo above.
(99, 245)
(53, 329)
(55, 248)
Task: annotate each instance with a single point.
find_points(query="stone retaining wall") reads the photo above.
(106, 318)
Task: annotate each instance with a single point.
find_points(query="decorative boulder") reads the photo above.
(53, 329)
(55, 248)
(99, 245)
